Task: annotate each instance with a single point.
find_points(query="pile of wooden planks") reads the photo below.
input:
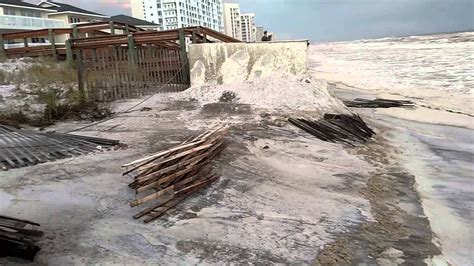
(336, 128)
(163, 180)
(378, 103)
(18, 238)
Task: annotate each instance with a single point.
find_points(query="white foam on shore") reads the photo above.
(435, 70)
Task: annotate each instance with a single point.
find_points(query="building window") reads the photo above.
(74, 20)
(27, 13)
(9, 11)
(38, 40)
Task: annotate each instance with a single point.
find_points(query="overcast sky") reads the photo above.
(330, 20)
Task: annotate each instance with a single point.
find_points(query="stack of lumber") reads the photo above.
(378, 103)
(336, 128)
(20, 148)
(168, 177)
(18, 238)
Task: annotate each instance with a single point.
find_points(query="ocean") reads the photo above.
(435, 70)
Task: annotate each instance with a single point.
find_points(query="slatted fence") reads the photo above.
(118, 72)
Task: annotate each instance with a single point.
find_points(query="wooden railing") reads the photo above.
(55, 48)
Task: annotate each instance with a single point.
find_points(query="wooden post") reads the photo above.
(194, 37)
(131, 49)
(75, 32)
(112, 27)
(2, 48)
(80, 75)
(183, 56)
(53, 43)
(25, 42)
(69, 53)
(127, 30)
(204, 40)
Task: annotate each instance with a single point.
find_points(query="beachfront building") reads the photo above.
(71, 14)
(248, 27)
(259, 33)
(232, 20)
(16, 15)
(173, 14)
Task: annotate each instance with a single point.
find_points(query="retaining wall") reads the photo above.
(226, 63)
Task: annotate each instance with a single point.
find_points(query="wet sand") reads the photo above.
(440, 157)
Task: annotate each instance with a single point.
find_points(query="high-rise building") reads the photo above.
(172, 14)
(259, 34)
(247, 23)
(232, 20)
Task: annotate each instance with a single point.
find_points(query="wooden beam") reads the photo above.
(183, 57)
(131, 49)
(2, 47)
(112, 27)
(75, 32)
(80, 75)
(53, 43)
(69, 53)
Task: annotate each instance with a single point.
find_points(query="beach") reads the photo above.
(435, 140)
(283, 196)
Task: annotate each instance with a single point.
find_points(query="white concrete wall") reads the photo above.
(227, 63)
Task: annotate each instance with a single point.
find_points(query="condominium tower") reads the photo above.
(172, 14)
(232, 20)
(247, 23)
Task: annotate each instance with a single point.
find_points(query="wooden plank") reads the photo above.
(168, 159)
(179, 199)
(176, 166)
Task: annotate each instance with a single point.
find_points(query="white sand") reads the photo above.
(276, 92)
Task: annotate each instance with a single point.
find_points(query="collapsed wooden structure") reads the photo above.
(54, 47)
(341, 128)
(18, 238)
(378, 103)
(20, 148)
(164, 179)
(136, 64)
(116, 60)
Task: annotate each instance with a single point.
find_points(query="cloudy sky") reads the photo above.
(327, 20)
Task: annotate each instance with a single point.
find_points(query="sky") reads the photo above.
(337, 20)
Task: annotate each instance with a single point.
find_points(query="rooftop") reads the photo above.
(18, 3)
(61, 7)
(131, 20)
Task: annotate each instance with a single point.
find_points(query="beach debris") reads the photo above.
(378, 103)
(164, 179)
(342, 128)
(18, 238)
(20, 148)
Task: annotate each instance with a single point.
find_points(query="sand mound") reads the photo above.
(282, 92)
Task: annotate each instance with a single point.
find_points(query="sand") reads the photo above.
(275, 92)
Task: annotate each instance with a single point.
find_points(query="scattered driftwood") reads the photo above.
(18, 238)
(165, 179)
(336, 128)
(20, 148)
(378, 103)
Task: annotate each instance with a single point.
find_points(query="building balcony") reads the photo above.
(29, 23)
